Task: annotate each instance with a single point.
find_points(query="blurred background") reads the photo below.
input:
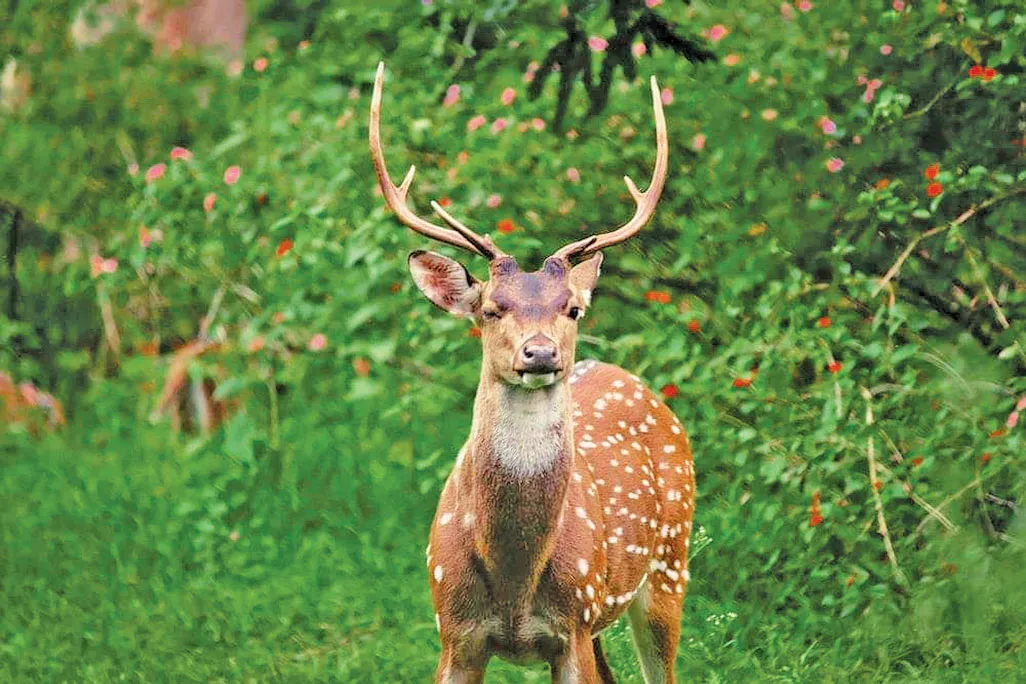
(226, 413)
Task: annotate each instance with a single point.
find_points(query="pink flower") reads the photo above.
(804, 5)
(231, 175)
(532, 68)
(769, 114)
(653, 3)
(898, 5)
(537, 124)
(260, 65)
(827, 125)
(98, 265)
(717, 33)
(598, 43)
(857, 139)
(508, 95)
(786, 12)
(1021, 404)
(732, 59)
(573, 174)
(886, 49)
(871, 88)
(498, 125)
(180, 153)
(834, 165)
(493, 201)
(208, 202)
(156, 172)
(666, 96)
(476, 122)
(698, 142)
(638, 49)
(318, 342)
(452, 96)
(133, 169)
(1013, 420)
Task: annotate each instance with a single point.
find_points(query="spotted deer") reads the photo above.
(571, 502)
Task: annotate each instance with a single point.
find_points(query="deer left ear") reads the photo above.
(446, 283)
(584, 275)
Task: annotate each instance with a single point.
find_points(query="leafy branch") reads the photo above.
(572, 56)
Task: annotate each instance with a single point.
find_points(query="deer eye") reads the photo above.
(491, 314)
(575, 313)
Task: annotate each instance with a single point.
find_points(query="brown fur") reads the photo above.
(26, 405)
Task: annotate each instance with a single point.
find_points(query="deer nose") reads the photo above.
(538, 355)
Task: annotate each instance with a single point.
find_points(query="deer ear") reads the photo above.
(584, 275)
(446, 283)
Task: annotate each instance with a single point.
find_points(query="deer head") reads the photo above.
(528, 320)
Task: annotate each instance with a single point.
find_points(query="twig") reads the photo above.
(877, 501)
(945, 502)
(110, 326)
(962, 218)
(931, 511)
(215, 305)
(468, 46)
(986, 287)
(934, 100)
(893, 270)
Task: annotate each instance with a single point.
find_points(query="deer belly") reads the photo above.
(526, 639)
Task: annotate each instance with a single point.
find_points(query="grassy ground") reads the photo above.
(117, 564)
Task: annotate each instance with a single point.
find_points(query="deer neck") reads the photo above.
(520, 459)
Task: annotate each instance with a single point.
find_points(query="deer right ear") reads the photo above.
(446, 283)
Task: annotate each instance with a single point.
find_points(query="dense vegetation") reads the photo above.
(832, 297)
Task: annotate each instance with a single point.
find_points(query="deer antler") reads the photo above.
(395, 196)
(646, 201)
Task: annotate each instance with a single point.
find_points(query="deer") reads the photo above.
(571, 502)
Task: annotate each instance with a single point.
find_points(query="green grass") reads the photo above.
(134, 557)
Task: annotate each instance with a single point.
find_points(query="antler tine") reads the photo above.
(482, 243)
(395, 197)
(646, 201)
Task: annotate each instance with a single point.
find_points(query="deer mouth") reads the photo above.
(538, 380)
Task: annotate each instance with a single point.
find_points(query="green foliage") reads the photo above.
(288, 544)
